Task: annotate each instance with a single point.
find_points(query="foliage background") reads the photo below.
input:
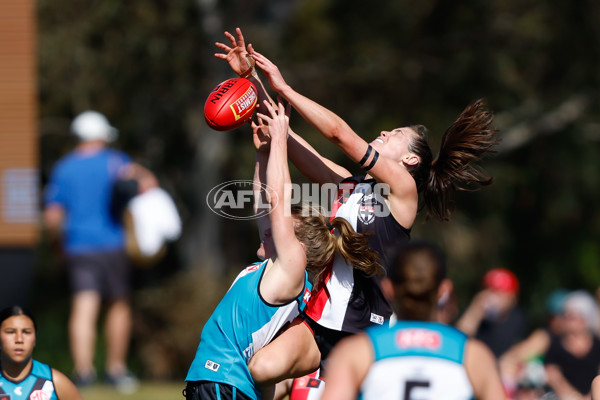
(148, 66)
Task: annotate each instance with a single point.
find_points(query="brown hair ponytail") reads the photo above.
(321, 245)
(417, 271)
(354, 247)
(463, 144)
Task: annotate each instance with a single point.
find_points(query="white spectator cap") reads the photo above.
(582, 303)
(91, 125)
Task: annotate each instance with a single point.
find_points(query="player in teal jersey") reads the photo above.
(23, 377)
(266, 296)
(417, 357)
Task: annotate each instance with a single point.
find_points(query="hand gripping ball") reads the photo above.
(230, 104)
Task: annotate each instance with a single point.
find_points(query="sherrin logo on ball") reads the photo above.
(230, 104)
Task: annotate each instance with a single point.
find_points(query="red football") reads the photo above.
(230, 104)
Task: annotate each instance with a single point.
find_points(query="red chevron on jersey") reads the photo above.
(344, 191)
(318, 299)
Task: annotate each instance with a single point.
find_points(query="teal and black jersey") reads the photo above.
(37, 385)
(417, 360)
(242, 323)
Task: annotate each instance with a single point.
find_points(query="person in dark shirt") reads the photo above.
(493, 315)
(573, 358)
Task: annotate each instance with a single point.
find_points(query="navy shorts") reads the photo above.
(108, 274)
(200, 390)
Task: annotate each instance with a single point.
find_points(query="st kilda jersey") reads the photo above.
(417, 360)
(362, 202)
(350, 301)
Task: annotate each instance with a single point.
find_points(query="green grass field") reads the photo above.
(146, 391)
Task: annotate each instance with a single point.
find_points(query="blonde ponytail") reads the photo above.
(354, 247)
(321, 244)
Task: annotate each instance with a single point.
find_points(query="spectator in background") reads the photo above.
(573, 358)
(493, 315)
(77, 209)
(521, 366)
(23, 377)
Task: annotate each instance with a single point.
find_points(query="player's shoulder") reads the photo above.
(419, 338)
(40, 369)
(254, 267)
(477, 353)
(249, 270)
(429, 325)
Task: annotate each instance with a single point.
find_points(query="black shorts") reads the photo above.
(325, 338)
(200, 390)
(107, 273)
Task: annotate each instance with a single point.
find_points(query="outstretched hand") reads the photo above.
(260, 135)
(236, 54)
(278, 119)
(271, 70)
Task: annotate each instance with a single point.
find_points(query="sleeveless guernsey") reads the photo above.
(350, 301)
(241, 324)
(417, 360)
(37, 385)
(362, 203)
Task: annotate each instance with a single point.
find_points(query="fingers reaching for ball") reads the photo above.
(236, 53)
(260, 135)
(277, 119)
(271, 70)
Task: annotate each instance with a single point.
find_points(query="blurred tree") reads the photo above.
(382, 65)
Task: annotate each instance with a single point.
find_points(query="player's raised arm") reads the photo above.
(286, 279)
(306, 158)
(389, 167)
(242, 63)
(261, 204)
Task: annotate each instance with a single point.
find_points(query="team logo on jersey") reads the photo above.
(248, 352)
(306, 296)
(366, 211)
(211, 365)
(253, 267)
(18, 391)
(422, 338)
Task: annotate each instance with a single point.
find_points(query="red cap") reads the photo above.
(502, 280)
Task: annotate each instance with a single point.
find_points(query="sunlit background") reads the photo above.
(149, 66)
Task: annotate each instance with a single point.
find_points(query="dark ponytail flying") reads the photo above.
(463, 144)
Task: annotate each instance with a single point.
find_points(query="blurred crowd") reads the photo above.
(558, 360)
